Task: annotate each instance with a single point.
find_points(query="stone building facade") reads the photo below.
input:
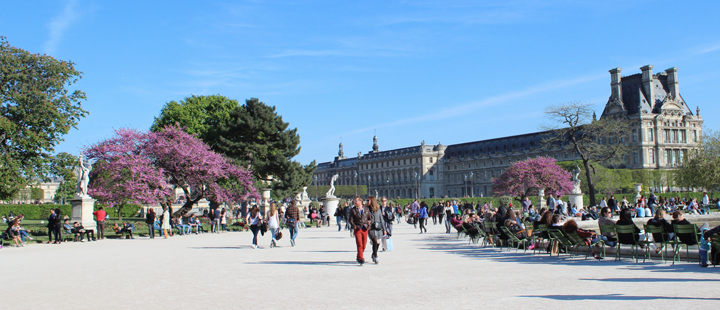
(663, 130)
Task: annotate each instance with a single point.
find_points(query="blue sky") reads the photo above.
(439, 71)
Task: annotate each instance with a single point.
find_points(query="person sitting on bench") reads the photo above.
(79, 231)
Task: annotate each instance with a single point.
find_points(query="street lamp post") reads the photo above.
(465, 184)
(368, 187)
(472, 185)
(416, 185)
(388, 187)
(316, 194)
(355, 183)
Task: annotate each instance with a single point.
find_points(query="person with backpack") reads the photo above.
(292, 220)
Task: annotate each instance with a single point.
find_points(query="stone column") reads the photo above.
(265, 203)
(331, 204)
(82, 212)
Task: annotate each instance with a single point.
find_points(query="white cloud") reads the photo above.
(59, 25)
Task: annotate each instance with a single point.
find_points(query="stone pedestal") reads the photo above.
(265, 202)
(576, 199)
(541, 203)
(331, 204)
(82, 212)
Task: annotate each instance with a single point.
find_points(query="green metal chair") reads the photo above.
(560, 237)
(513, 239)
(543, 228)
(604, 231)
(481, 234)
(578, 241)
(652, 230)
(491, 232)
(629, 230)
(685, 229)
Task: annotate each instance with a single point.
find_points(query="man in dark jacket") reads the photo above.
(360, 223)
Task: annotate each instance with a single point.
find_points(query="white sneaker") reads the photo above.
(254, 246)
(31, 238)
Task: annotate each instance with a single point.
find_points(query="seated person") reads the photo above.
(679, 218)
(117, 229)
(184, 229)
(456, 222)
(606, 219)
(588, 236)
(626, 219)
(156, 225)
(67, 227)
(195, 223)
(660, 221)
(79, 231)
(128, 229)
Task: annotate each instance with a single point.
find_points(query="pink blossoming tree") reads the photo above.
(528, 177)
(146, 168)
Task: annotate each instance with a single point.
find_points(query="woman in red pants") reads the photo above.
(360, 223)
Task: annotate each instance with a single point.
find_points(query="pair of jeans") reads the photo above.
(447, 225)
(422, 224)
(361, 238)
(101, 229)
(338, 219)
(293, 231)
(23, 235)
(151, 231)
(197, 228)
(254, 229)
(273, 233)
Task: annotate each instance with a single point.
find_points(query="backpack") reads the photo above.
(390, 215)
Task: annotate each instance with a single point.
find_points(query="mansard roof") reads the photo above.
(524, 142)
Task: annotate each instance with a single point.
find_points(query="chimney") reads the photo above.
(616, 84)
(673, 82)
(647, 81)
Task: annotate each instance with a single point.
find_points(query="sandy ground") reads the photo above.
(428, 271)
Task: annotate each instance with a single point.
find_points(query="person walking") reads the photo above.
(448, 215)
(389, 217)
(52, 220)
(149, 220)
(377, 227)
(254, 218)
(165, 219)
(57, 228)
(100, 219)
(360, 223)
(423, 216)
(292, 220)
(223, 220)
(346, 211)
(414, 209)
(273, 220)
(338, 217)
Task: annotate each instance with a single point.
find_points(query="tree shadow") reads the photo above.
(307, 263)
(222, 247)
(652, 280)
(448, 243)
(614, 297)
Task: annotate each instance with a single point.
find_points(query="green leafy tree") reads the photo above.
(37, 193)
(575, 131)
(702, 168)
(255, 135)
(200, 115)
(36, 110)
(63, 166)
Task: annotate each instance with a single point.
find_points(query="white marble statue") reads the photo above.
(576, 181)
(541, 192)
(304, 193)
(376, 193)
(83, 178)
(331, 191)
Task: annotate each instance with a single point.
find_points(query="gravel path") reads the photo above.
(431, 271)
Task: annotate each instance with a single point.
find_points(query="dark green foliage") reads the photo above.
(65, 191)
(255, 135)
(200, 115)
(36, 110)
(340, 190)
(37, 193)
(505, 201)
(35, 211)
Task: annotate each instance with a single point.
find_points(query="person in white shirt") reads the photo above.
(603, 203)
(273, 224)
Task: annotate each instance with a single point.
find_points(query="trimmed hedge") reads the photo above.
(40, 212)
(34, 211)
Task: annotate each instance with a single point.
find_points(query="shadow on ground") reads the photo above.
(306, 263)
(451, 245)
(614, 297)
